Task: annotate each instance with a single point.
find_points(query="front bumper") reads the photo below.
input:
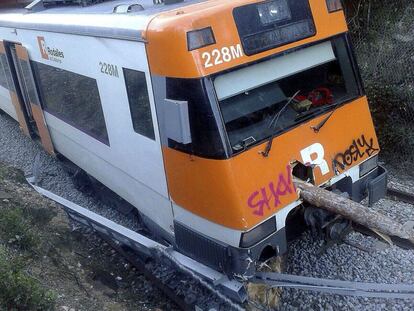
(224, 258)
(372, 185)
(377, 186)
(233, 260)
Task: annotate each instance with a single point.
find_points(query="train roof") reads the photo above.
(97, 20)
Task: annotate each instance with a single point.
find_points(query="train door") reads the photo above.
(30, 100)
(15, 94)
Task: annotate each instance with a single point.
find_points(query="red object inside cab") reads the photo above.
(319, 97)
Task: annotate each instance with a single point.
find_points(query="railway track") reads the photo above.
(400, 195)
(140, 264)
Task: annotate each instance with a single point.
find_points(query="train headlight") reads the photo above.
(199, 38)
(368, 166)
(334, 5)
(257, 234)
(274, 11)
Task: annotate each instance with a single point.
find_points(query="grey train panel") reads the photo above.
(123, 34)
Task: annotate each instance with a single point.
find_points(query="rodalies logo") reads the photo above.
(53, 54)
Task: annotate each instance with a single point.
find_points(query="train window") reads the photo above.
(285, 91)
(3, 78)
(73, 98)
(9, 79)
(28, 81)
(139, 104)
(205, 133)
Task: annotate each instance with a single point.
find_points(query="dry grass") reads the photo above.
(262, 295)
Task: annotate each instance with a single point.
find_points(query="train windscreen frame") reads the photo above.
(316, 89)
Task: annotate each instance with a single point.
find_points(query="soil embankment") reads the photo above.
(45, 265)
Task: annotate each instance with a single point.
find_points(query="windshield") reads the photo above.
(309, 81)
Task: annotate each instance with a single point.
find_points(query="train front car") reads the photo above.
(250, 94)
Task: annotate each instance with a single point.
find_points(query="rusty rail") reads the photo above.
(400, 195)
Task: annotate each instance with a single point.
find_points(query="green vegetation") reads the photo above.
(19, 227)
(13, 174)
(22, 229)
(15, 230)
(19, 291)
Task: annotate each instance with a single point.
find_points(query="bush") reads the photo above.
(16, 230)
(384, 41)
(38, 216)
(20, 292)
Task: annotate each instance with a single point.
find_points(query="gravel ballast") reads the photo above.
(377, 263)
(380, 263)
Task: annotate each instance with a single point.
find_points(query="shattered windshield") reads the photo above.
(294, 87)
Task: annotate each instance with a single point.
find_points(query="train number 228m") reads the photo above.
(223, 55)
(109, 69)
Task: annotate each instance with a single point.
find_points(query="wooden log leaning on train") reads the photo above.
(353, 211)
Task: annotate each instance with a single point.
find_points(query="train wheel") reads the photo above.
(82, 181)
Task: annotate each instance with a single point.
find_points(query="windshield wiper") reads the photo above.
(272, 125)
(318, 127)
(244, 143)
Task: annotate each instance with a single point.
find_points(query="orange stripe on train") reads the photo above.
(167, 36)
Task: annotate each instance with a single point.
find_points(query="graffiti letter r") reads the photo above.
(318, 160)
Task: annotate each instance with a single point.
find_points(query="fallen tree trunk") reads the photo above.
(354, 211)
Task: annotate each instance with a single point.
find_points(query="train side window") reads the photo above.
(3, 78)
(8, 83)
(73, 98)
(28, 81)
(139, 104)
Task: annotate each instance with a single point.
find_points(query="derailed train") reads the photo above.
(198, 113)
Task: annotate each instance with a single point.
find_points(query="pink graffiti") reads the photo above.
(269, 196)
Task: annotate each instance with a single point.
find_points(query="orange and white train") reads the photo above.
(198, 113)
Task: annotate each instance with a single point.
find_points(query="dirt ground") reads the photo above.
(81, 270)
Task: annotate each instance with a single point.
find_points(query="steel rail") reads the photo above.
(345, 288)
(400, 195)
